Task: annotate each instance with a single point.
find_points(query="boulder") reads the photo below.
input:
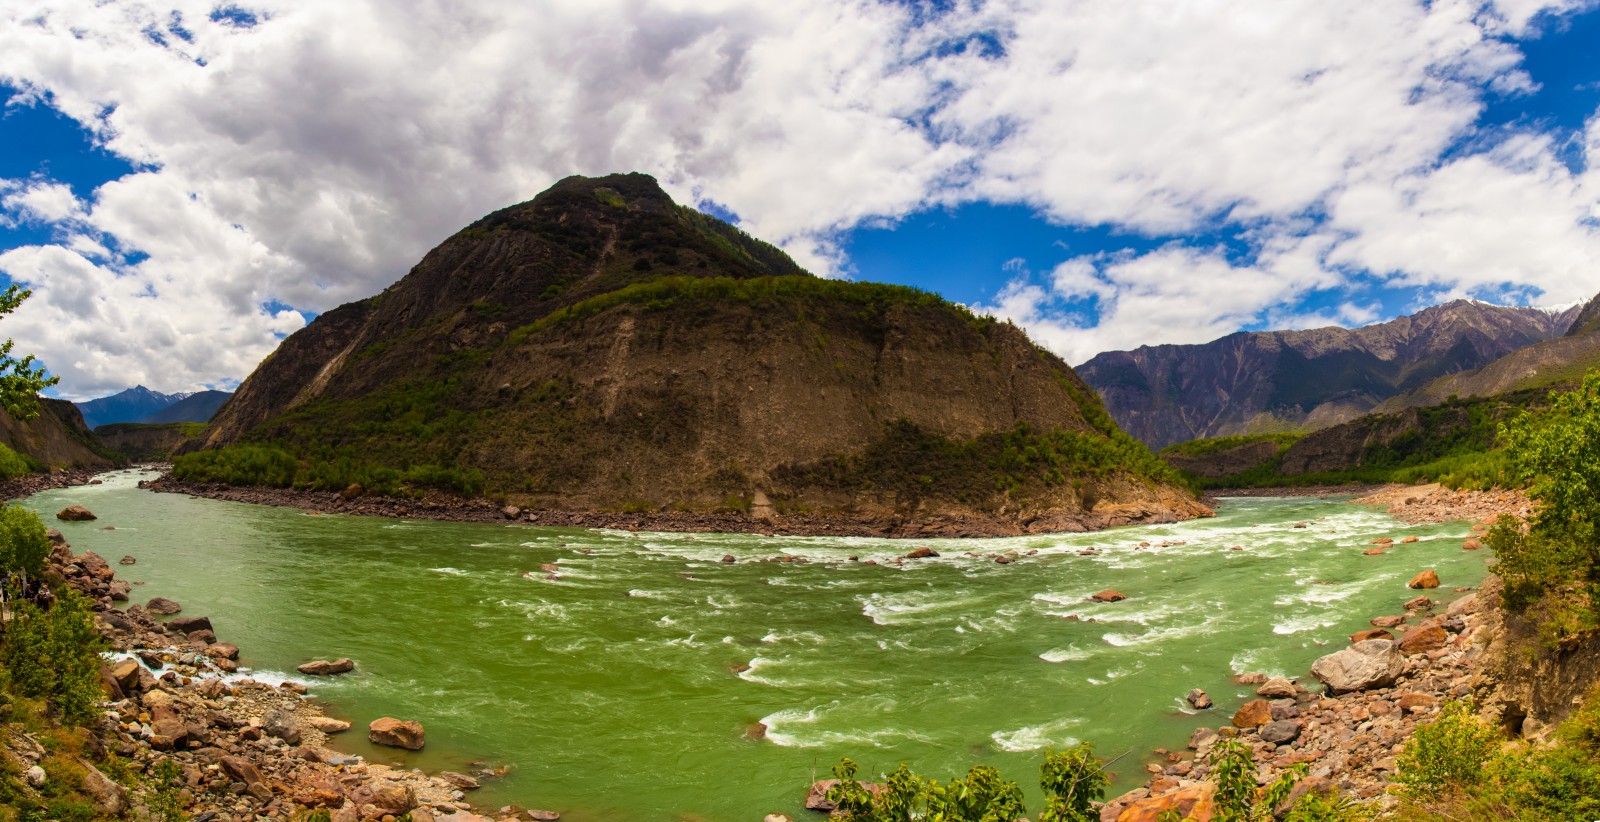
(328, 724)
(75, 513)
(119, 590)
(189, 625)
(1198, 699)
(320, 793)
(1280, 731)
(1423, 639)
(1192, 803)
(1409, 540)
(1370, 633)
(1418, 604)
(1277, 688)
(240, 769)
(126, 673)
(1426, 579)
(1250, 679)
(1109, 595)
(1373, 663)
(324, 667)
(109, 797)
(397, 734)
(922, 553)
(283, 726)
(35, 776)
(460, 780)
(1415, 703)
(95, 565)
(161, 606)
(1471, 545)
(1387, 621)
(222, 650)
(729, 559)
(1373, 552)
(126, 560)
(1253, 714)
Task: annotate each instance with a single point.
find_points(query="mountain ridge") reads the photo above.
(1279, 381)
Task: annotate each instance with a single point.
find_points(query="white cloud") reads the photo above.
(311, 160)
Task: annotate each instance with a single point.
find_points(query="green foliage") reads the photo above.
(164, 786)
(981, 796)
(238, 465)
(1448, 753)
(1237, 798)
(13, 465)
(1072, 780)
(24, 545)
(273, 467)
(54, 654)
(20, 380)
(1213, 445)
(665, 292)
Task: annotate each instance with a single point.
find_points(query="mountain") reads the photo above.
(1278, 381)
(132, 405)
(197, 407)
(600, 348)
(1558, 362)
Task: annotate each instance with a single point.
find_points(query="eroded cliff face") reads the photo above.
(1528, 686)
(601, 348)
(57, 438)
(1265, 382)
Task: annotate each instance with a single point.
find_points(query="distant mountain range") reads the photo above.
(140, 404)
(1297, 381)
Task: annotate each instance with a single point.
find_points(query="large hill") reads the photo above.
(1262, 382)
(602, 348)
(132, 405)
(200, 406)
(56, 439)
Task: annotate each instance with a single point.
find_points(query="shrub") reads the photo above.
(24, 545)
(1448, 753)
(54, 654)
(13, 465)
(1072, 780)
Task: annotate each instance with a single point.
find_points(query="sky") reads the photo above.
(185, 182)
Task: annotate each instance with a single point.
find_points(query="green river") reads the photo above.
(619, 692)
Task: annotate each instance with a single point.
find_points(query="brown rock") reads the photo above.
(1423, 639)
(109, 797)
(1426, 579)
(1418, 604)
(397, 734)
(189, 625)
(1373, 552)
(324, 667)
(1191, 803)
(1414, 703)
(1252, 714)
(126, 560)
(1409, 540)
(95, 566)
(119, 590)
(75, 513)
(1109, 595)
(161, 606)
(222, 650)
(240, 769)
(1250, 679)
(1383, 541)
(922, 553)
(1277, 688)
(1471, 545)
(1371, 633)
(126, 673)
(328, 724)
(1388, 621)
(320, 793)
(1198, 699)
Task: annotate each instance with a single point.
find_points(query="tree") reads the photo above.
(20, 380)
(24, 542)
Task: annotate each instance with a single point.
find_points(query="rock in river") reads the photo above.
(396, 734)
(325, 667)
(75, 513)
(1198, 699)
(1373, 663)
(1426, 579)
(1252, 714)
(1277, 688)
(161, 606)
(1109, 595)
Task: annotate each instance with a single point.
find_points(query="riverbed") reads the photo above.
(632, 681)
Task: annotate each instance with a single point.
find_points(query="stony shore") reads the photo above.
(29, 484)
(448, 509)
(246, 749)
(1427, 652)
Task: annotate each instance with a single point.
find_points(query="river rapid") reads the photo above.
(628, 684)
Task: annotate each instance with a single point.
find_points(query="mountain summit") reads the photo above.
(601, 348)
(1273, 381)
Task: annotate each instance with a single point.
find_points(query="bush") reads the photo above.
(54, 655)
(13, 465)
(1446, 754)
(24, 544)
(1072, 780)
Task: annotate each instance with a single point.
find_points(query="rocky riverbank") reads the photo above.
(761, 519)
(244, 749)
(1348, 721)
(29, 484)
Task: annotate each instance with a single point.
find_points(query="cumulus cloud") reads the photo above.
(303, 154)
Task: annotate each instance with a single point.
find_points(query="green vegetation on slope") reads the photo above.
(1455, 443)
(914, 465)
(1459, 768)
(273, 467)
(667, 292)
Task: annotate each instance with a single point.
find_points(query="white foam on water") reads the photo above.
(1154, 635)
(1071, 653)
(666, 622)
(1301, 624)
(454, 572)
(914, 606)
(795, 728)
(641, 593)
(724, 604)
(1034, 737)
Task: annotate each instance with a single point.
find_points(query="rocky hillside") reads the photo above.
(1559, 362)
(602, 348)
(1262, 382)
(200, 406)
(146, 442)
(56, 439)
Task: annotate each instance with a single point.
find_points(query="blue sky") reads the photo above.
(184, 182)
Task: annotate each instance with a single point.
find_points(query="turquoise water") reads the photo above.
(620, 690)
